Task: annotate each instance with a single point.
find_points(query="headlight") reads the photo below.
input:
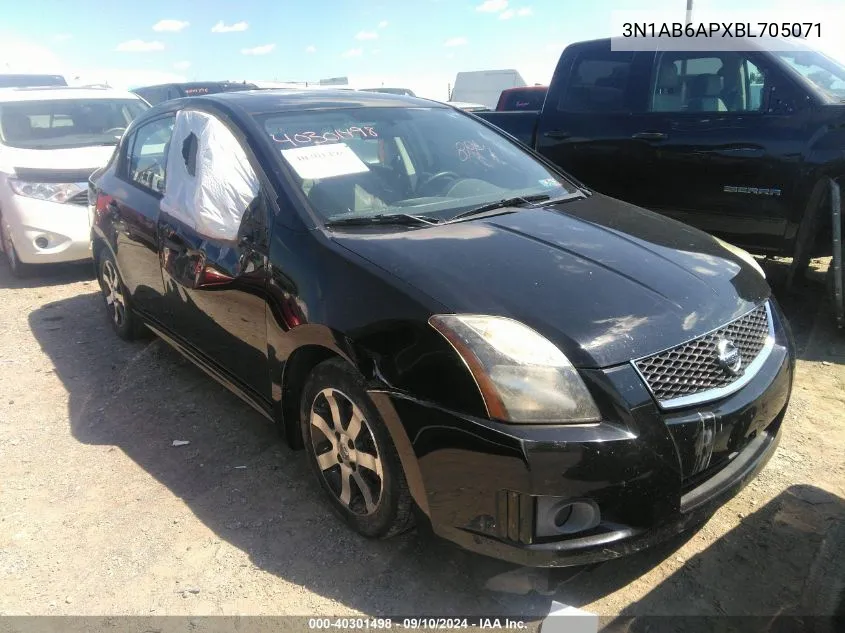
(50, 191)
(522, 376)
(744, 256)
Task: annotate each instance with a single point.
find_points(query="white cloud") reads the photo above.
(229, 28)
(524, 12)
(455, 41)
(352, 52)
(170, 25)
(492, 6)
(383, 24)
(258, 50)
(62, 37)
(507, 15)
(182, 65)
(311, 49)
(366, 35)
(139, 46)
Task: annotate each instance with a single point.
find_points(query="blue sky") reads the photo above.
(423, 43)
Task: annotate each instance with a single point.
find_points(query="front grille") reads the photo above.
(693, 368)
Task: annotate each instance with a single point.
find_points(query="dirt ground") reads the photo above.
(101, 515)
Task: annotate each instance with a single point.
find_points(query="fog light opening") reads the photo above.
(41, 242)
(557, 516)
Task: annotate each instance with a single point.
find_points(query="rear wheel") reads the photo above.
(16, 266)
(351, 453)
(118, 304)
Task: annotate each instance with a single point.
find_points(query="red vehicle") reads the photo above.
(525, 98)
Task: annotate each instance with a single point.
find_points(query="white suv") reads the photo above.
(51, 141)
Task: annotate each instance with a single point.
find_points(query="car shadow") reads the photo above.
(239, 478)
(746, 580)
(46, 275)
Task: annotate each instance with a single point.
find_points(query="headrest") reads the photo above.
(705, 86)
(15, 125)
(667, 76)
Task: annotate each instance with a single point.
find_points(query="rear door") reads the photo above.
(592, 120)
(132, 205)
(729, 124)
(214, 231)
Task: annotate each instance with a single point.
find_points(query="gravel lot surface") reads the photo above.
(101, 515)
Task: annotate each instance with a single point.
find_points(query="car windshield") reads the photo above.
(432, 162)
(825, 73)
(65, 123)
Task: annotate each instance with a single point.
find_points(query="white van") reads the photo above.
(485, 86)
(51, 141)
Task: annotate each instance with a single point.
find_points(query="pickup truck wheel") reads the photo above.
(16, 266)
(351, 453)
(118, 303)
(831, 287)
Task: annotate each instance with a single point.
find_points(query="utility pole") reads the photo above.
(689, 11)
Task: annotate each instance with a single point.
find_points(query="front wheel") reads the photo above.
(351, 453)
(118, 305)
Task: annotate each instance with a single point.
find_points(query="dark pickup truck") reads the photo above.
(749, 146)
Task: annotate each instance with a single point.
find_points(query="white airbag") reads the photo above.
(212, 201)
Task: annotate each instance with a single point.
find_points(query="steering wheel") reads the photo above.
(115, 130)
(440, 175)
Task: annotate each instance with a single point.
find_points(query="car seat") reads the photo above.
(16, 126)
(667, 90)
(704, 91)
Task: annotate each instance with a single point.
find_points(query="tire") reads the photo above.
(831, 287)
(335, 399)
(124, 321)
(16, 266)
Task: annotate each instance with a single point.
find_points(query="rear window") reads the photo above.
(524, 100)
(598, 82)
(31, 81)
(66, 123)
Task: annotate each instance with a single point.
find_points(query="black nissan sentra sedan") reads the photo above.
(454, 331)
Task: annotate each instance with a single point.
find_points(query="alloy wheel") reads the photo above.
(113, 292)
(346, 452)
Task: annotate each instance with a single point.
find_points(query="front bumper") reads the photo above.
(483, 484)
(66, 228)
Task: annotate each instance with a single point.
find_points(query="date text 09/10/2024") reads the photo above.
(414, 624)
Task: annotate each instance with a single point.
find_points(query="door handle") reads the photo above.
(557, 134)
(650, 136)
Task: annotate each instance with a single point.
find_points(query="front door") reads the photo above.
(214, 235)
(134, 214)
(727, 125)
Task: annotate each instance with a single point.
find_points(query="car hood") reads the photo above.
(70, 158)
(606, 281)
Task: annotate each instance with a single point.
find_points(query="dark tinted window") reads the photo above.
(598, 82)
(31, 81)
(524, 100)
(147, 156)
(153, 94)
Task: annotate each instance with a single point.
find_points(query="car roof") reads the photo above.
(195, 84)
(62, 93)
(265, 101)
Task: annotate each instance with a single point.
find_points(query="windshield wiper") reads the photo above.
(406, 219)
(518, 201)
